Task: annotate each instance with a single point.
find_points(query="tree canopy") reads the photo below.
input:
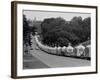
(27, 30)
(60, 32)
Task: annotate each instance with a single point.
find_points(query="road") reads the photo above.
(54, 61)
(31, 62)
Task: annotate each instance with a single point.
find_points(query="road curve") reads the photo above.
(56, 61)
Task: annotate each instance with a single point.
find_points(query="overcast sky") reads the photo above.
(40, 15)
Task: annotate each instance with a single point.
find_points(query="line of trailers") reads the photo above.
(79, 51)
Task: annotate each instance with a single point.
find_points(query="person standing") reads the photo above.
(70, 50)
(59, 50)
(88, 51)
(80, 50)
(63, 50)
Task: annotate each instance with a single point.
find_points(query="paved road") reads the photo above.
(57, 61)
(31, 62)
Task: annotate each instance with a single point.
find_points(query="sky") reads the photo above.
(41, 15)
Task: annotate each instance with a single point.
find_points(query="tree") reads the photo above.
(60, 32)
(87, 28)
(26, 31)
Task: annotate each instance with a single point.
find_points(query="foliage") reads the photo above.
(57, 31)
(27, 30)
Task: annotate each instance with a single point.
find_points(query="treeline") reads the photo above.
(27, 30)
(59, 32)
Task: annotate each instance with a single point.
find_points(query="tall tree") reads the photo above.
(61, 32)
